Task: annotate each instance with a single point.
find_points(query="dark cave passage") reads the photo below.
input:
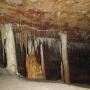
(79, 61)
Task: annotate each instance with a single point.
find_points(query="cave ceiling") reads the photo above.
(47, 14)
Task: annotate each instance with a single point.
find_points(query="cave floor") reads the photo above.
(12, 82)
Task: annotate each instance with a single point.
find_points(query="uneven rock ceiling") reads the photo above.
(52, 14)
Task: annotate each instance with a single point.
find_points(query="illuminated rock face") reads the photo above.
(33, 0)
(8, 37)
(75, 13)
(14, 1)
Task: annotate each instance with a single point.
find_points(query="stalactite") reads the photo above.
(49, 43)
(29, 46)
(41, 40)
(22, 39)
(56, 46)
(19, 40)
(35, 44)
(25, 41)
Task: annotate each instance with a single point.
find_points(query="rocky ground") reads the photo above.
(11, 82)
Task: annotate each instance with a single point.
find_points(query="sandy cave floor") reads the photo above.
(11, 82)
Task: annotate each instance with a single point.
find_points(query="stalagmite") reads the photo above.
(7, 34)
(34, 69)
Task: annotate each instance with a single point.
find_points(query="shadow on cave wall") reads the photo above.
(79, 61)
(3, 61)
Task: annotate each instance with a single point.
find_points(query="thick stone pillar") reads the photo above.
(65, 62)
(8, 38)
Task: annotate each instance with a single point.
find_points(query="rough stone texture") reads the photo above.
(10, 82)
(75, 12)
